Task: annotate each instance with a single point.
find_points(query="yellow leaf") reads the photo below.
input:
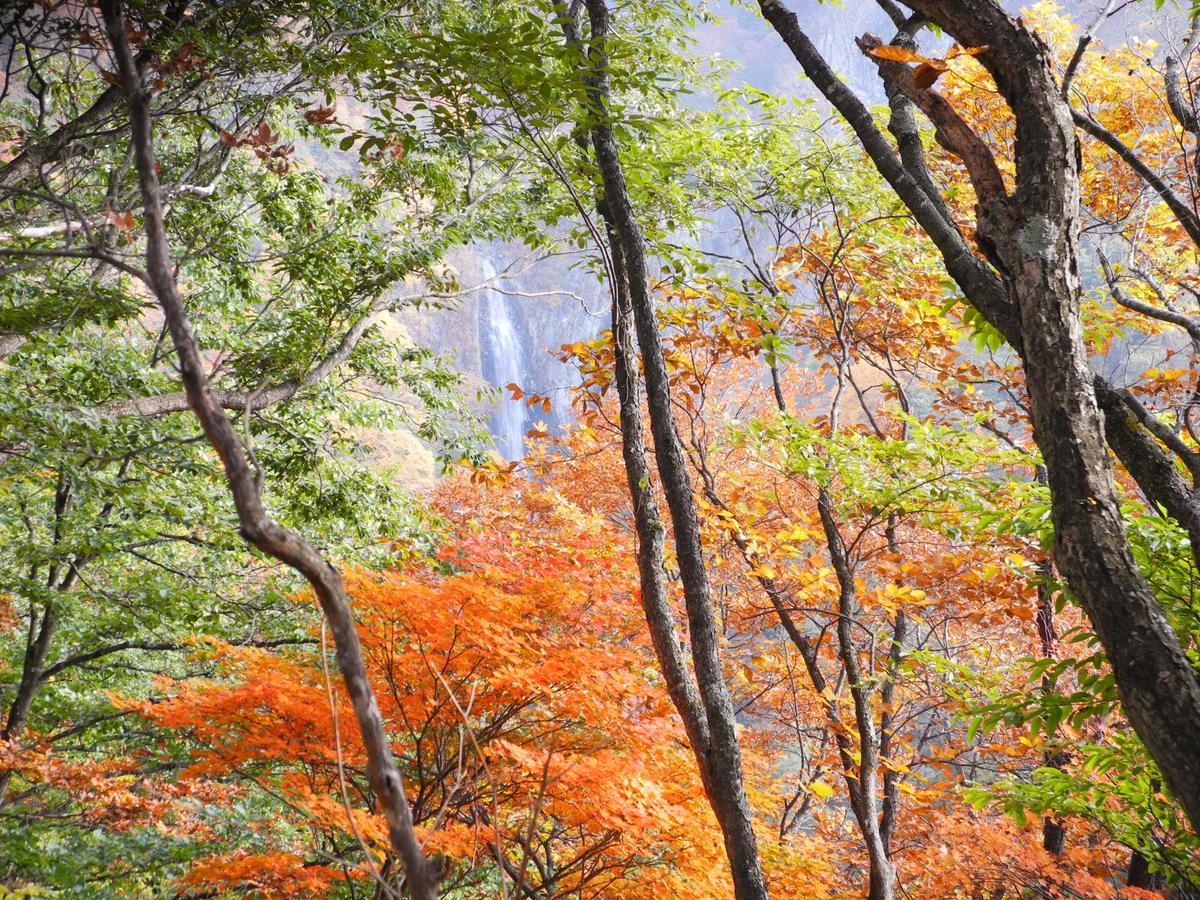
(821, 789)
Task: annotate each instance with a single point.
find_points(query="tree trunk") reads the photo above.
(36, 654)
(650, 531)
(1054, 831)
(722, 753)
(257, 527)
(866, 810)
(1032, 238)
(1140, 876)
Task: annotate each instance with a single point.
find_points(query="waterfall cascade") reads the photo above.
(503, 359)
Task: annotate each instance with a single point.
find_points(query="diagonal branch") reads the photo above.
(36, 154)
(1187, 323)
(164, 404)
(894, 12)
(1084, 42)
(257, 527)
(1179, 207)
(83, 658)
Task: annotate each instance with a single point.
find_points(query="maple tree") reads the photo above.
(532, 729)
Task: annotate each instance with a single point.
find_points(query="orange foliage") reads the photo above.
(528, 715)
(112, 793)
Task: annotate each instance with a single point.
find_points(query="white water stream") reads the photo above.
(503, 359)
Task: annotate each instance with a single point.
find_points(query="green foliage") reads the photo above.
(1114, 785)
(1070, 705)
(320, 161)
(118, 539)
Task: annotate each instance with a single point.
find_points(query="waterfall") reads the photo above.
(503, 358)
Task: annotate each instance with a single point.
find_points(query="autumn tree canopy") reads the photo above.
(866, 562)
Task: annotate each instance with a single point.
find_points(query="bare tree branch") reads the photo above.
(80, 659)
(1187, 323)
(1085, 40)
(165, 404)
(1183, 212)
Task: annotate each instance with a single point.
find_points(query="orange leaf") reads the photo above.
(122, 220)
(956, 50)
(897, 54)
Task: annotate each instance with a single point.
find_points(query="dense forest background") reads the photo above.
(565, 449)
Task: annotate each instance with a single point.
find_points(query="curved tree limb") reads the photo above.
(33, 156)
(257, 527)
(1187, 323)
(1034, 239)
(964, 265)
(951, 131)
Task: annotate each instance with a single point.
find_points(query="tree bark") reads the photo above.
(257, 527)
(648, 523)
(882, 874)
(1032, 238)
(722, 753)
(1054, 830)
(1139, 875)
(32, 676)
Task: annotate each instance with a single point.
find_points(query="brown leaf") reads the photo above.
(925, 75)
(320, 116)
